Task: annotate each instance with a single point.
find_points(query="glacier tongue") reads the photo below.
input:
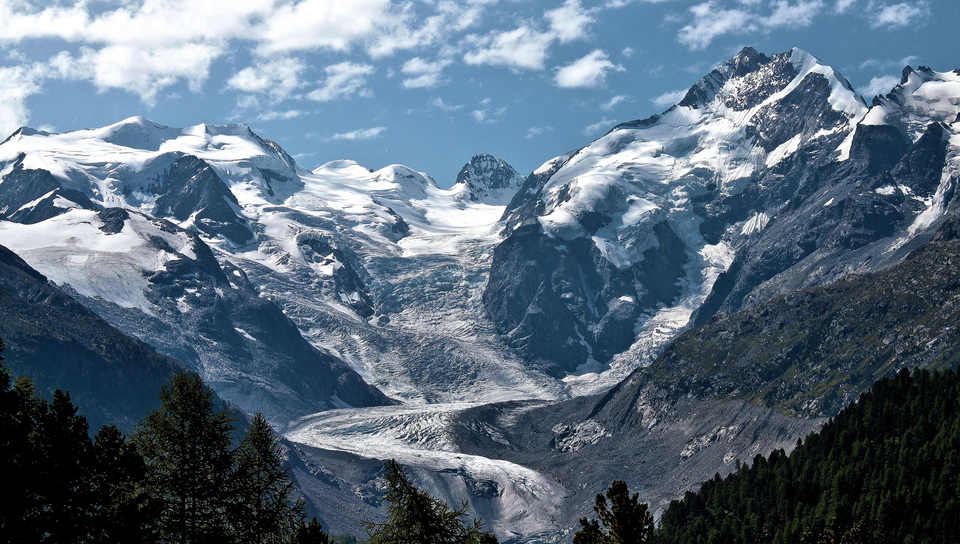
(525, 503)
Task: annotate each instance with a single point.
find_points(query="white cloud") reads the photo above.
(280, 115)
(424, 74)
(599, 126)
(527, 47)
(144, 72)
(570, 21)
(448, 108)
(897, 15)
(323, 24)
(879, 85)
(614, 102)
(627, 52)
(589, 71)
(787, 15)
(521, 48)
(343, 81)
(17, 83)
(844, 5)
(488, 115)
(886, 65)
(359, 134)
(668, 99)
(533, 132)
(710, 20)
(278, 78)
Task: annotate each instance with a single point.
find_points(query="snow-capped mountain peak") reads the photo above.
(489, 180)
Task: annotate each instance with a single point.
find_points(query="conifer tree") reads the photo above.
(262, 511)
(16, 459)
(124, 513)
(186, 444)
(311, 533)
(417, 518)
(627, 521)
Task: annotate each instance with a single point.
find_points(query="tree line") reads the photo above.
(182, 477)
(886, 469)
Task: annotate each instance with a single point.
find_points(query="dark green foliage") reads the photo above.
(885, 470)
(311, 533)
(627, 521)
(187, 446)
(125, 514)
(813, 351)
(414, 517)
(262, 511)
(59, 486)
(181, 481)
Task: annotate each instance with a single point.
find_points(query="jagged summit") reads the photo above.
(702, 206)
(488, 179)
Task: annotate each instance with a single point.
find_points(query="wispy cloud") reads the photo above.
(589, 71)
(488, 115)
(527, 46)
(277, 78)
(17, 83)
(614, 102)
(669, 98)
(879, 85)
(533, 132)
(280, 115)
(359, 134)
(599, 126)
(897, 15)
(711, 19)
(423, 74)
(443, 106)
(344, 80)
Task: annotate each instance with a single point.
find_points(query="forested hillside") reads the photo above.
(885, 469)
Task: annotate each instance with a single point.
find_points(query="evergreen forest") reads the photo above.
(886, 469)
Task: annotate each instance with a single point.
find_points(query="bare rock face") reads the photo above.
(769, 176)
(488, 179)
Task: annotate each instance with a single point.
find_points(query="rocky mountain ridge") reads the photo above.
(373, 313)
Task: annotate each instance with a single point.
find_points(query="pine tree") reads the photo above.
(17, 461)
(311, 533)
(186, 444)
(417, 518)
(124, 512)
(262, 511)
(627, 521)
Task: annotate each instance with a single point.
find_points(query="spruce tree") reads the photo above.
(417, 518)
(186, 444)
(627, 521)
(17, 461)
(124, 513)
(262, 511)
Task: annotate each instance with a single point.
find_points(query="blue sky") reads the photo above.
(426, 83)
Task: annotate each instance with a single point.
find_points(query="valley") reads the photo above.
(503, 337)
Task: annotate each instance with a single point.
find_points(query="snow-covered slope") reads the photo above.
(381, 269)
(290, 288)
(721, 201)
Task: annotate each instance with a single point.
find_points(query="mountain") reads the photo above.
(770, 175)
(882, 470)
(488, 179)
(379, 270)
(100, 219)
(58, 343)
(487, 334)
